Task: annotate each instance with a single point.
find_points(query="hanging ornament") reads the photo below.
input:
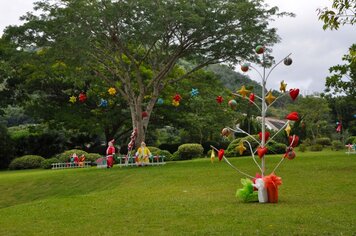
(194, 92)
(233, 104)
(261, 151)
(241, 148)
(112, 91)
(288, 61)
(212, 156)
(339, 127)
(243, 91)
(245, 67)
(267, 134)
(270, 98)
(82, 97)
(219, 99)
(103, 103)
(290, 154)
(177, 97)
(260, 49)
(293, 116)
(283, 87)
(144, 114)
(221, 154)
(294, 139)
(288, 129)
(294, 93)
(225, 132)
(160, 101)
(252, 98)
(72, 99)
(175, 103)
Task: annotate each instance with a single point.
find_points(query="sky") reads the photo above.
(313, 50)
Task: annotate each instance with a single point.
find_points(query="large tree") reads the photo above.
(135, 45)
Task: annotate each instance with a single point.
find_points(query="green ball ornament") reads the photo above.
(260, 49)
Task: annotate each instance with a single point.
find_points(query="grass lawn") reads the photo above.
(317, 197)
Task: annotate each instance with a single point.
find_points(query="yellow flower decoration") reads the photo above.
(241, 148)
(270, 98)
(283, 86)
(73, 99)
(175, 103)
(288, 129)
(112, 91)
(243, 91)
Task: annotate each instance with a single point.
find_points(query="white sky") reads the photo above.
(313, 49)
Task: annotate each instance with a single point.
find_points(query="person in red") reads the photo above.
(110, 151)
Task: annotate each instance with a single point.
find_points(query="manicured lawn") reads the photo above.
(317, 197)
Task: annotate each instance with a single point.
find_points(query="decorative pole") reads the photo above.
(267, 185)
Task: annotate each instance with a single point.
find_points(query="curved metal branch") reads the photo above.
(253, 155)
(280, 96)
(276, 66)
(257, 72)
(249, 100)
(244, 132)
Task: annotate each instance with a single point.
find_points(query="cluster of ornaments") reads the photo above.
(82, 97)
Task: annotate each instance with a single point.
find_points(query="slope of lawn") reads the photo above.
(317, 197)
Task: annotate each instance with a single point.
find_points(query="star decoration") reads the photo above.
(288, 129)
(212, 157)
(194, 92)
(82, 97)
(243, 91)
(283, 87)
(270, 98)
(175, 103)
(103, 103)
(241, 148)
(73, 99)
(219, 99)
(112, 91)
(177, 98)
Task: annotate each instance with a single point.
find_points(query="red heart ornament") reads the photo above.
(261, 151)
(252, 98)
(221, 154)
(294, 93)
(266, 135)
(295, 142)
(293, 116)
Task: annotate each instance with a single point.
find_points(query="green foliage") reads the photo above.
(351, 140)
(26, 162)
(276, 148)
(47, 163)
(337, 145)
(167, 154)
(6, 148)
(190, 150)
(65, 156)
(316, 148)
(342, 12)
(323, 141)
(302, 147)
(92, 157)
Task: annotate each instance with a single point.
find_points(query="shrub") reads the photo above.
(47, 163)
(232, 151)
(65, 156)
(167, 154)
(323, 141)
(316, 148)
(26, 162)
(171, 147)
(276, 148)
(175, 156)
(190, 150)
(6, 148)
(302, 147)
(351, 140)
(153, 150)
(92, 157)
(336, 145)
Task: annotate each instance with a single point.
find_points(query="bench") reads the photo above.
(130, 161)
(68, 165)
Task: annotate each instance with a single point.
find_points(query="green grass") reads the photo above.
(317, 197)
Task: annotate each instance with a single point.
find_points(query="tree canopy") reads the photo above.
(135, 46)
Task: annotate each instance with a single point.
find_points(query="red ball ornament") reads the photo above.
(244, 67)
(260, 49)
